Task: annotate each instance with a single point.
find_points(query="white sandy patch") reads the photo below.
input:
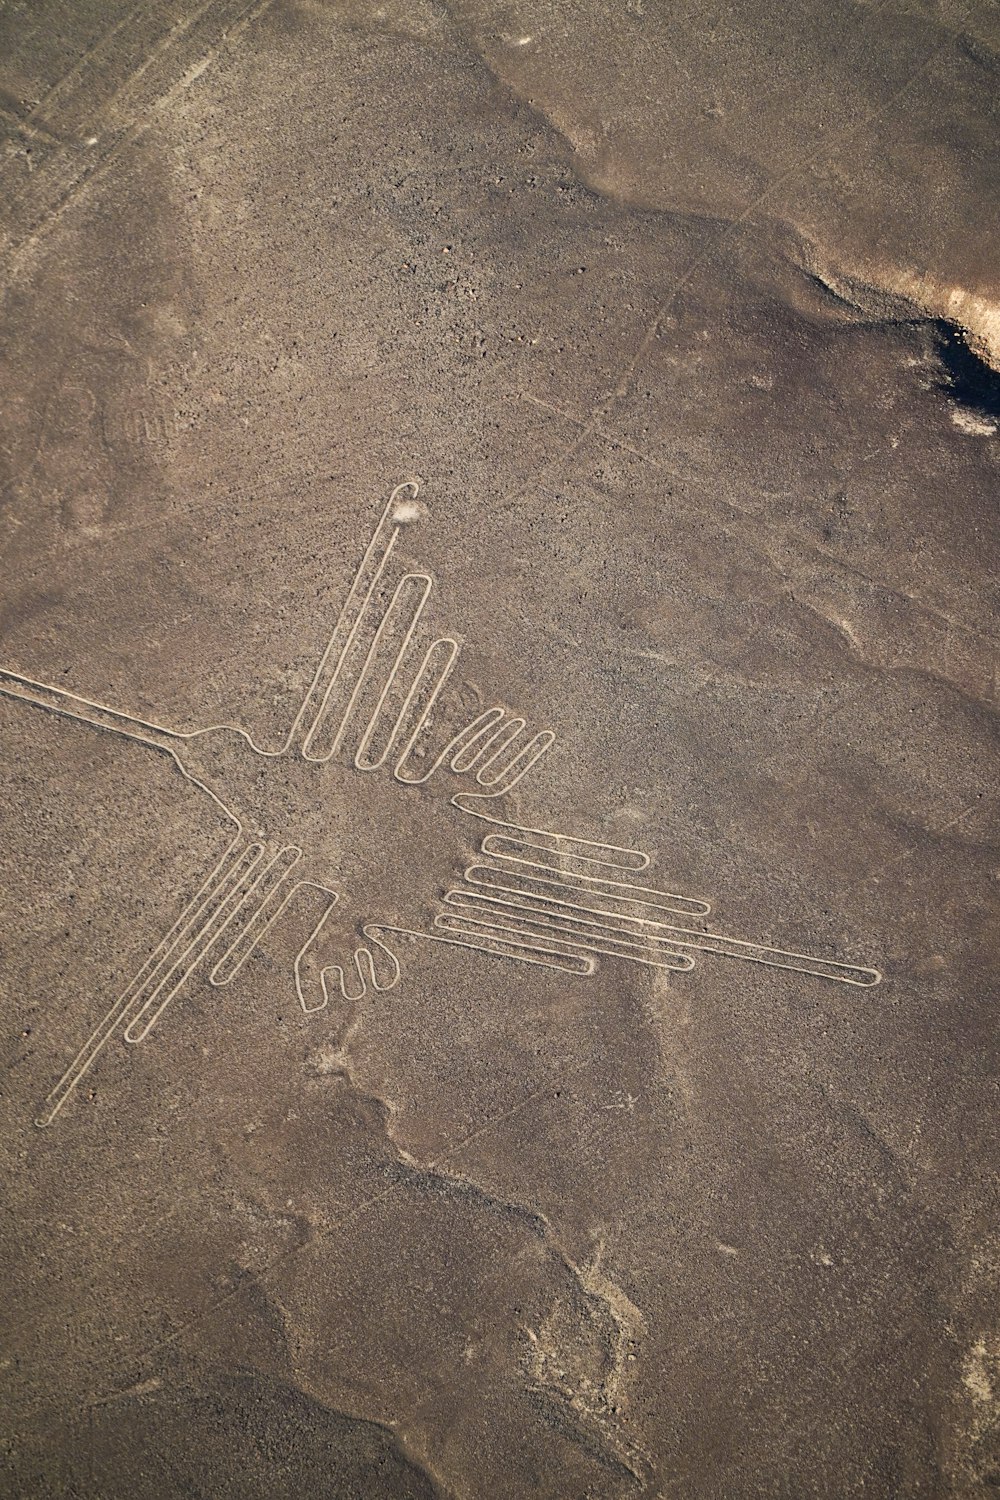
(971, 424)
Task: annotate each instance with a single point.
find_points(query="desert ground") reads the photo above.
(498, 707)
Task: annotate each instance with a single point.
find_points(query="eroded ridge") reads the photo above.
(535, 896)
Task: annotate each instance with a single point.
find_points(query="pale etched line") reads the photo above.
(397, 607)
(483, 728)
(87, 1054)
(363, 960)
(488, 740)
(708, 942)
(494, 750)
(526, 922)
(466, 748)
(23, 126)
(261, 919)
(454, 748)
(500, 846)
(629, 859)
(777, 958)
(521, 763)
(71, 706)
(499, 948)
(538, 909)
(567, 416)
(602, 944)
(243, 884)
(700, 261)
(367, 674)
(20, 246)
(307, 946)
(494, 729)
(95, 47)
(352, 612)
(426, 673)
(66, 704)
(394, 671)
(192, 930)
(644, 897)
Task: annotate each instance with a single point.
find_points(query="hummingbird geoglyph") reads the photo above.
(375, 774)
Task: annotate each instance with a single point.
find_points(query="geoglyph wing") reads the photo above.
(534, 895)
(372, 695)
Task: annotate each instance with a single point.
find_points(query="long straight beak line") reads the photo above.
(71, 706)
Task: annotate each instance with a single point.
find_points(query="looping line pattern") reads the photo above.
(535, 896)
